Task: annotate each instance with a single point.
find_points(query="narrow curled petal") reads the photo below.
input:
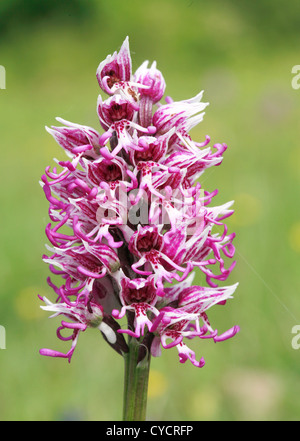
(186, 353)
(228, 334)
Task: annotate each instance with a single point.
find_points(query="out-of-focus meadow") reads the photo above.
(241, 53)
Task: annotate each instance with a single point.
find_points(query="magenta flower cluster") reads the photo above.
(130, 221)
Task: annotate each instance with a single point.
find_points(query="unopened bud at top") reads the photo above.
(152, 78)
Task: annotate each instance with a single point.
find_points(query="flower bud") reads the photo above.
(152, 78)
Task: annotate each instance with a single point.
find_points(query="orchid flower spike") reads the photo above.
(130, 221)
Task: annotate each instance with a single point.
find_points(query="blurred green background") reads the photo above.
(241, 53)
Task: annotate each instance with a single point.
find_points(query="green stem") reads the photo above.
(136, 383)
